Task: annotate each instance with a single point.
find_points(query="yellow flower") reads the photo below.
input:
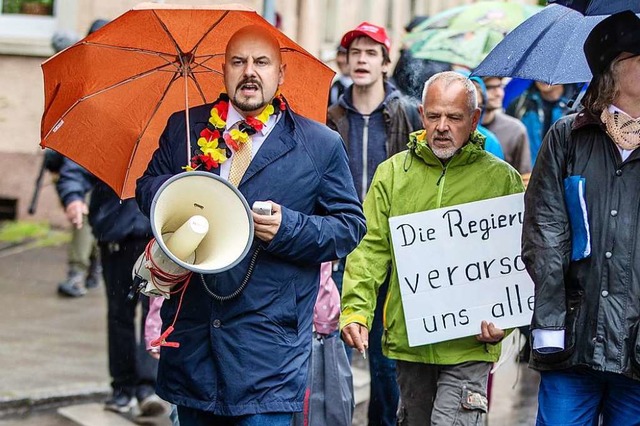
(207, 146)
(422, 135)
(265, 114)
(215, 119)
(218, 155)
(188, 168)
(239, 136)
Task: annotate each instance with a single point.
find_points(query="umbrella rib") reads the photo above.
(155, 110)
(166, 30)
(206, 33)
(169, 58)
(127, 49)
(197, 84)
(105, 89)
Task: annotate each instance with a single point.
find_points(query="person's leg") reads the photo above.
(94, 275)
(461, 398)
(417, 382)
(266, 419)
(78, 260)
(569, 397)
(121, 336)
(80, 247)
(384, 392)
(138, 362)
(192, 417)
(621, 402)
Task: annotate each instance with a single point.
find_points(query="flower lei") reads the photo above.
(214, 143)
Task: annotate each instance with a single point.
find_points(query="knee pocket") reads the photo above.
(474, 400)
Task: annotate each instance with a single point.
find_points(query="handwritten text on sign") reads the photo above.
(460, 265)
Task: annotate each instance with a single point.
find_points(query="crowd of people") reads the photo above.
(332, 189)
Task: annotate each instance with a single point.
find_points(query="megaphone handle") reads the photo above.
(245, 281)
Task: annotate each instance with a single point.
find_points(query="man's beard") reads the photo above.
(444, 153)
(249, 105)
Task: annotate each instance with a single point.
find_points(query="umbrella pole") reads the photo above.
(186, 111)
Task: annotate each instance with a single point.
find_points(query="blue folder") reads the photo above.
(574, 196)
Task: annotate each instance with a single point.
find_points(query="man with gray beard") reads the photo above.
(442, 383)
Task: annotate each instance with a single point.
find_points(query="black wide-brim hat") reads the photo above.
(613, 35)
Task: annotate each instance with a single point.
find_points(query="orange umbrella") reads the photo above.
(108, 97)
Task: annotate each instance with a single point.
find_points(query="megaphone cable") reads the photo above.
(185, 279)
(243, 284)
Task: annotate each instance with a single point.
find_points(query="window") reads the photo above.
(27, 7)
(26, 26)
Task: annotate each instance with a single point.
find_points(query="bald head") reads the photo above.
(254, 34)
(253, 69)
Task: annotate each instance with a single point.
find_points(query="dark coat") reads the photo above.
(250, 354)
(595, 300)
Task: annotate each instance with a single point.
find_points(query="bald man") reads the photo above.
(244, 361)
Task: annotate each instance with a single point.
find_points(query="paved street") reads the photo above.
(53, 353)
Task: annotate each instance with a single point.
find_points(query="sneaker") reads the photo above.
(150, 404)
(120, 402)
(72, 286)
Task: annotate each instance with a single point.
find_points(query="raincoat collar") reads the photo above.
(586, 118)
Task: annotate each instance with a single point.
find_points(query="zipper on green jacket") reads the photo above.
(440, 181)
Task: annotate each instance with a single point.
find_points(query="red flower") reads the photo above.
(208, 162)
(230, 142)
(283, 106)
(255, 123)
(223, 109)
(209, 135)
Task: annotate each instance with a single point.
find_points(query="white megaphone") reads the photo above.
(201, 223)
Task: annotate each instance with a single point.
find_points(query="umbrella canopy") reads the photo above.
(497, 16)
(599, 7)
(546, 47)
(108, 97)
(466, 48)
(464, 35)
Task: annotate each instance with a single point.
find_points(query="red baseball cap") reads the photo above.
(374, 32)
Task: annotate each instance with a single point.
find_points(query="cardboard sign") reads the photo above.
(460, 265)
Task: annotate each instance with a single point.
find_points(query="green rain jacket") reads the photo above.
(414, 181)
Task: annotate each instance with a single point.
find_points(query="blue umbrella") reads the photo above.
(546, 47)
(599, 7)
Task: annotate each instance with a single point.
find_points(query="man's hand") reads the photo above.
(490, 333)
(266, 226)
(356, 336)
(75, 212)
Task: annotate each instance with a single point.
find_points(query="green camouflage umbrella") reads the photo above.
(466, 48)
(465, 34)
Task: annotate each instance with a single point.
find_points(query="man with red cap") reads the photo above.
(374, 120)
(581, 245)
